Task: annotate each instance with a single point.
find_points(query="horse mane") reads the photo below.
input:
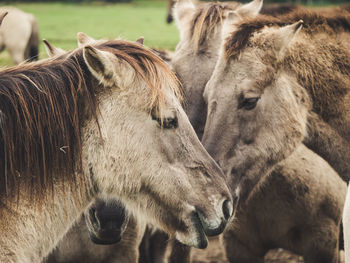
(278, 9)
(205, 20)
(314, 22)
(346, 7)
(149, 66)
(42, 107)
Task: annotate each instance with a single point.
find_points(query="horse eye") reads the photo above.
(168, 123)
(249, 103)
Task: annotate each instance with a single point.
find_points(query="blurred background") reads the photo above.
(59, 21)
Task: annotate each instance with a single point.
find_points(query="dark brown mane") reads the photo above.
(42, 107)
(314, 22)
(278, 9)
(206, 18)
(346, 7)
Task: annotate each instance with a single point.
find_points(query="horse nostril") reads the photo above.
(227, 209)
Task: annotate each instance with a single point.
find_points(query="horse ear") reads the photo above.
(183, 12)
(51, 50)
(84, 39)
(140, 40)
(2, 16)
(285, 35)
(230, 22)
(251, 9)
(100, 63)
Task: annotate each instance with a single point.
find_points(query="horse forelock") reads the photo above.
(313, 23)
(152, 69)
(207, 17)
(43, 105)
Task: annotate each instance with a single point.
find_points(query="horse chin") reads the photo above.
(195, 239)
(195, 235)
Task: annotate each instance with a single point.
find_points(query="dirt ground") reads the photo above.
(215, 254)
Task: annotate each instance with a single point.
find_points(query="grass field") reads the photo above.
(59, 23)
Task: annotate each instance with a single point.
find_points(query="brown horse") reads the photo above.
(20, 35)
(102, 119)
(282, 93)
(115, 226)
(258, 58)
(246, 240)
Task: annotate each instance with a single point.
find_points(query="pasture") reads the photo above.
(60, 22)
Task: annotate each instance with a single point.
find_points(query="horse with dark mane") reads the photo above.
(102, 119)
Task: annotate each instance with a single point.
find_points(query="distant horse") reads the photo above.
(170, 18)
(102, 119)
(19, 33)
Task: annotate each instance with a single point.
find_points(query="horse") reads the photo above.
(108, 224)
(153, 244)
(75, 126)
(246, 240)
(19, 33)
(308, 93)
(311, 107)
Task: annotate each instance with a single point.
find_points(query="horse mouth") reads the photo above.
(201, 238)
(105, 241)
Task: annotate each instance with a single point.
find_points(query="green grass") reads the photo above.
(59, 23)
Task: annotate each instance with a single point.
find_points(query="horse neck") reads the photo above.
(328, 121)
(327, 143)
(322, 68)
(31, 232)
